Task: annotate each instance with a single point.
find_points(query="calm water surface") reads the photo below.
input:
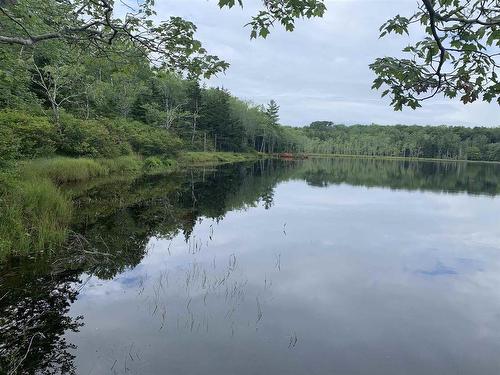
(336, 266)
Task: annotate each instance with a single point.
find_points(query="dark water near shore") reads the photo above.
(333, 266)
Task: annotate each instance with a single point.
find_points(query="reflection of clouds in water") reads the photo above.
(331, 289)
(183, 284)
(470, 264)
(127, 280)
(456, 266)
(438, 270)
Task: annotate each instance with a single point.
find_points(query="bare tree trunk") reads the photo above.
(87, 105)
(195, 118)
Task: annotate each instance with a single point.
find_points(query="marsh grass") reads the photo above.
(154, 165)
(35, 210)
(202, 158)
(34, 216)
(35, 213)
(129, 164)
(61, 170)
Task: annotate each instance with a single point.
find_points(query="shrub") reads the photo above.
(473, 153)
(26, 136)
(89, 138)
(152, 163)
(9, 144)
(145, 139)
(494, 151)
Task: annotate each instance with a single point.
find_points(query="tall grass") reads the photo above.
(200, 158)
(122, 165)
(62, 169)
(34, 216)
(34, 213)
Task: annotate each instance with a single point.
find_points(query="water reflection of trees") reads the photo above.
(116, 220)
(452, 177)
(33, 320)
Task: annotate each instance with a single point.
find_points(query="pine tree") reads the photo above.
(272, 112)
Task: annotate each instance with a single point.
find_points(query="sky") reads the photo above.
(319, 71)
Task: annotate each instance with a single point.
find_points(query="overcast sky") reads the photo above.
(319, 71)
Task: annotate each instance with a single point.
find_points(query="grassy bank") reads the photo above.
(395, 158)
(204, 158)
(35, 213)
(62, 170)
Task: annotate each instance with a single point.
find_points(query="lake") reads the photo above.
(321, 266)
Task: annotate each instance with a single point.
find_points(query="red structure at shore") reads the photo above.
(290, 156)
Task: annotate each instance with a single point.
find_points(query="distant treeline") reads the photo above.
(443, 142)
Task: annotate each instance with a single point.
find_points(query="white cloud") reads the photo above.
(320, 71)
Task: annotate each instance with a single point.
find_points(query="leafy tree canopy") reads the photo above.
(458, 56)
(98, 24)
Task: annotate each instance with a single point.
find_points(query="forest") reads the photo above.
(103, 79)
(68, 102)
(65, 101)
(436, 142)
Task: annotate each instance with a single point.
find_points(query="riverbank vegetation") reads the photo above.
(37, 207)
(70, 112)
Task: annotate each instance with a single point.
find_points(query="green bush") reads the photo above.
(9, 144)
(473, 153)
(153, 163)
(145, 139)
(90, 138)
(493, 151)
(26, 136)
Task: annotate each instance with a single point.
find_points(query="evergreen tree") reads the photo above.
(272, 112)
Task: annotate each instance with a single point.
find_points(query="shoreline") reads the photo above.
(402, 158)
(38, 196)
(38, 203)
